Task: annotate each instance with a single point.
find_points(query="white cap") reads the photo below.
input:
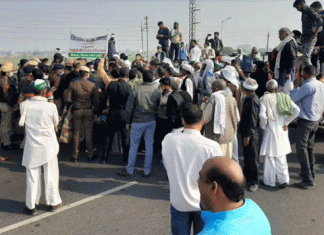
(250, 84)
(229, 73)
(115, 56)
(188, 68)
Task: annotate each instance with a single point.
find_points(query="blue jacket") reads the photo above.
(165, 40)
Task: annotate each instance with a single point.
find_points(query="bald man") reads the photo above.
(224, 208)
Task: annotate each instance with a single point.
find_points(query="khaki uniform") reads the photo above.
(6, 112)
(85, 103)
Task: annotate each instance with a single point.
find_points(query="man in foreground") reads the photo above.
(41, 148)
(183, 156)
(225, 210)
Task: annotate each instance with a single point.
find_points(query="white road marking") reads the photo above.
(64, 208)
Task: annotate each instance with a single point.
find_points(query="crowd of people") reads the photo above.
(187, 104)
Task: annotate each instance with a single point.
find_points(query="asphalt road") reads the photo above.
(144, 207)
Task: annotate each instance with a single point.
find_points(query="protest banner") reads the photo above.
(88, 47)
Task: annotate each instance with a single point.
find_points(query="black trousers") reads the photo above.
(174, 49)
(163, 127)
(251, 161)
(306, 131)
(166, 50)
(116, 125)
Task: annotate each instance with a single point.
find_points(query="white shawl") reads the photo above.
(219, 112)
(279, 48)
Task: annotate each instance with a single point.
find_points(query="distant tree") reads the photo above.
(228, 51)
(246, 48)
(36, 52)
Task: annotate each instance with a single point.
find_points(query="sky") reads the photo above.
(46, 25)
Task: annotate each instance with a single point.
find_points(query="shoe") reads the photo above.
(74, 160)
(55, 208)
(93, 157)
(29, 211)
(282, 186)
(146, 176)
(304, 185)
(253, 187)
(3, 159)
(104, 161)
(264, 184)
(124, 173)
(7, 147)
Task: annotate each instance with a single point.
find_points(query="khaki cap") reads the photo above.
(84, 68)
(37, 59)
(6, 68)
(8, 63)
(33, 63)
(69, 62)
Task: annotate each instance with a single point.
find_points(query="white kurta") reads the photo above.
(275, 139)
(189, 86)
(40, 119)
(195, 54)
(184, 154)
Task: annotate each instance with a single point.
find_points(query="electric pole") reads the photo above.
(142, 29)
(192, 19)
(147, 37)
(268, 42)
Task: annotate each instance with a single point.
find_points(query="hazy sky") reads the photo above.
(45, 25)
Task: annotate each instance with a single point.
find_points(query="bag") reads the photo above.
(247, 64)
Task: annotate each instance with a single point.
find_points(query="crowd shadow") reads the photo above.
(91, 178)
(11, 206)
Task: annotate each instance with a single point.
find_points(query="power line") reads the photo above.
(28, 27)
(62, 39)
(59, 22)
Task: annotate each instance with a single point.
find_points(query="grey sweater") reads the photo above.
(310, 21)
(142, 104)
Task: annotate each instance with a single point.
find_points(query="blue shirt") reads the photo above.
(310, 99)
(249, 219)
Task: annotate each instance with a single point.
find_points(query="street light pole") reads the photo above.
(222, 25)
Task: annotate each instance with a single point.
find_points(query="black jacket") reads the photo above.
(176, 102)
(249, 126)
(288, 58)
(118, 92)
(215, 43)
(184, 88)
(165, 40)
